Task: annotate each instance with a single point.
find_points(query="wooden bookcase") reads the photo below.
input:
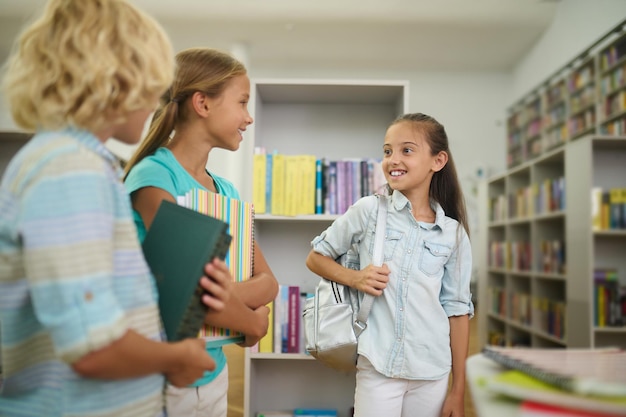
(327, 118)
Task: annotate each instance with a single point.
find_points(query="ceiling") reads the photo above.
(393, 35)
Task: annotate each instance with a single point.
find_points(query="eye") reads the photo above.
(386, 152)
(407, 150)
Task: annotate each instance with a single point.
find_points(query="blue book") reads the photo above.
(319, 207)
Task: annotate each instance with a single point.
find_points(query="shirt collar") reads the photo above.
(399, 202)
(91, 142)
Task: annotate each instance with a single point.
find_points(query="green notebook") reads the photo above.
(178, 244)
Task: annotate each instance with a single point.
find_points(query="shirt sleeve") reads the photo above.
(66, 223)
(149, 173)
(346, 230)
(455, 296)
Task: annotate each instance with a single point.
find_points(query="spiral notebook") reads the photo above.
(586, 372)
(239, 215)
(178, 244)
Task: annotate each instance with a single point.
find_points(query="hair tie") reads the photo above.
(175, 100)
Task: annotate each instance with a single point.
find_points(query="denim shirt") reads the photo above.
(408, 331)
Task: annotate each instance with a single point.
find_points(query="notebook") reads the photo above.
(597, 372)
(521, 386)
(178, 244)
(239, 215)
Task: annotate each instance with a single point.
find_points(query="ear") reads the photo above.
(200, 103)
(439, 161)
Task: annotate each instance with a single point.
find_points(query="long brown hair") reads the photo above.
(444, 186)
(197, 69)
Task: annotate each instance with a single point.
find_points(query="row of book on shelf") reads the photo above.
(285, 333)
(609, 298)
(291, 185)
(308, 412)
(538, 198)
(608, 208)
(541, 312)
(518, 256)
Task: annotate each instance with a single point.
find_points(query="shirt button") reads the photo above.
(408, 251)
(88, 296)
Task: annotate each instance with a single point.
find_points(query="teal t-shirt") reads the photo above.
(162, 170)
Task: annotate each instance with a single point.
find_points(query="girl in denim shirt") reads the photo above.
(418, 329)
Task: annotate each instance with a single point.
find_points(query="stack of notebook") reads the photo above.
(584, 381)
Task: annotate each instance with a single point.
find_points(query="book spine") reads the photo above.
(293, 333)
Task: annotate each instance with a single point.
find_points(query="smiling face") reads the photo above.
(228, 116)
(408, 162)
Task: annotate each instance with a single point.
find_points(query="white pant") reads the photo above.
(377, 395)
(208, 400)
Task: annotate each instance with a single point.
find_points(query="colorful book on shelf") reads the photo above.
(178, 244)
(239, 215)
(584, 372)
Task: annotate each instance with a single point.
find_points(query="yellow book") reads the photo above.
(266, 344)
(259, 174)
(278, 184)
(596, 208)
(292, 190)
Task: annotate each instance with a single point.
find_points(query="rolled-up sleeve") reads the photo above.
(456, 296)
(346, 230)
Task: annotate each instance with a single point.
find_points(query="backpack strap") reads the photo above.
(378, 258)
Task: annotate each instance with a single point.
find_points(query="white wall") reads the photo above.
(577, 25)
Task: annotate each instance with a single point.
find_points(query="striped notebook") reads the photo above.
(240, 257)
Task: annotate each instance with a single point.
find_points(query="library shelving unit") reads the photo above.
(327, 118)
(613, 88)
(582, 89)
(595, 163)
(555, 114)
(515, 137)
(587, 96)
(524, 282)
(544, 251)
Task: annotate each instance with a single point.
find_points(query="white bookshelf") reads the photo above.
(327, 118)
(590, 161)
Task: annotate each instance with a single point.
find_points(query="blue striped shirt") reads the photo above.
(72, 280)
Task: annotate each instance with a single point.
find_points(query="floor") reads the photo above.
(236, 360)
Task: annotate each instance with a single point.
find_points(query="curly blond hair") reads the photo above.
(87, 64)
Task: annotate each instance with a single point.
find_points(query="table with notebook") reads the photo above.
(548, 382)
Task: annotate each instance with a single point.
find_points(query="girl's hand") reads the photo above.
(453, 406)
(218, 283)
(193, 362)
(373, 279)
(262, 314)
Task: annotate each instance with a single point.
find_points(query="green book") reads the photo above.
(178, 244)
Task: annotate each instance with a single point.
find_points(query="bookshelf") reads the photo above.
(327, 118)
(543, 248)
(586, 96)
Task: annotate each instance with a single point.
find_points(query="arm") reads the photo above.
(454, 404)
(236, 314)
(262, 286)
(133, 356)
(372, 280)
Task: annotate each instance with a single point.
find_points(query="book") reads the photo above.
(521, 386)
(178, 244)
(239, 215)
(535, 409)
(590, 372)
(266, 344)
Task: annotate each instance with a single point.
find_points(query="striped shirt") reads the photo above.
(72, 280)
